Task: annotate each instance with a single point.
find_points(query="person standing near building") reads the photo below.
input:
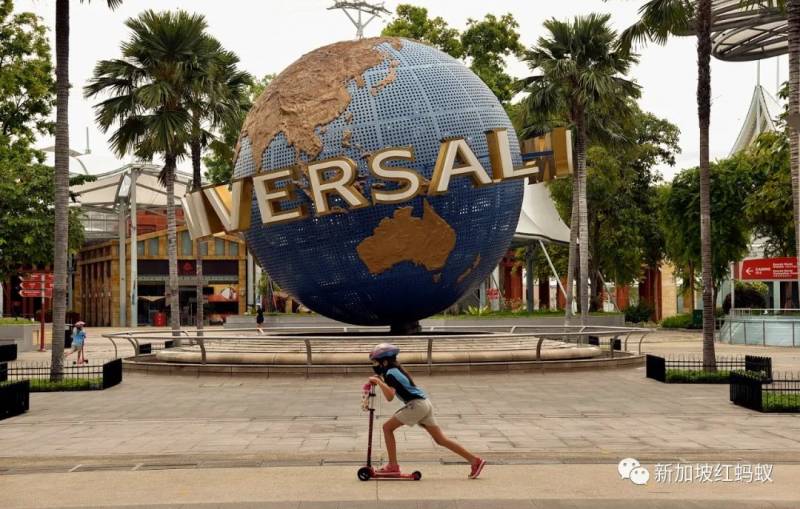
(260, 320)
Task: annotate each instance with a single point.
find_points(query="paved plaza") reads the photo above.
(548, 436)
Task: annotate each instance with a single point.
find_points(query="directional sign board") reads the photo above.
(35, 285)
(36, 293)
(49, 277)
(769, 269)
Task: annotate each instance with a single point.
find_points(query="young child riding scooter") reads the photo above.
(395, 381)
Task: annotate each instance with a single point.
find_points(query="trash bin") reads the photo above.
(160, 319)
(697, 318)
(68, 336)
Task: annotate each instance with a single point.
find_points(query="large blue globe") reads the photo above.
(414, 95)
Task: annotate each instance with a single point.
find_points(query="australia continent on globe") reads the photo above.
(425, 241)
(381, 264)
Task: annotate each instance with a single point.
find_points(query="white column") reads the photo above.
(494, 283)
(123, 287)
(251, 281)
(776, 295)
(134, 297)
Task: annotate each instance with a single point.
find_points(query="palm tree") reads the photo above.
(579, 74)
(659, 20)
(61, 232)
(218, 99)
(150, 91)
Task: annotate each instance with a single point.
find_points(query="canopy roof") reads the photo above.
(539, 219)
(103, 194)
(761, 117)
(741, 34)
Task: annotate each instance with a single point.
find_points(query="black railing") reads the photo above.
(780, 393)
(14, 398)
(72, 378)
(690, 369)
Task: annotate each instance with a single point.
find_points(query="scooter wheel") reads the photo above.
(416, 475)
(364, 473)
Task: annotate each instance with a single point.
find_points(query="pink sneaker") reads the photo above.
(477, 467)
(389, 469)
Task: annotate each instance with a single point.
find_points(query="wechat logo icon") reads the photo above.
(630, 468)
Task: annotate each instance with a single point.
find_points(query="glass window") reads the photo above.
(233, 248)
(140, 248)
(152, 247)
(186, 244)
(203, 247)
(219, 247)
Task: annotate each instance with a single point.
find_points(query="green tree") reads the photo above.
(623, 228)
(61, 232)
(27, 216)
(219, 158)
(27, 186)
(659, 20)
(26, 78)
(578, 73)
(484, 43)
(769, 207)
(733, 182)
(412, 22)
(149, 103)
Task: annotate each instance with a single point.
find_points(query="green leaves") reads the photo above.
(624, 232)
(578, 72)
(172, 84)
(26, 76)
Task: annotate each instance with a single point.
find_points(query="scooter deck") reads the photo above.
(369, 473)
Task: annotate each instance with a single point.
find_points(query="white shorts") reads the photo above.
(417, 411)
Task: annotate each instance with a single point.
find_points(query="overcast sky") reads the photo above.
(268, 35)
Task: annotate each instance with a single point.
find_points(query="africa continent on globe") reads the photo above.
(378, 264)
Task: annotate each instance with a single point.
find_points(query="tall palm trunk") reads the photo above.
(704, 117)
(61, 233)
(793, 13)
(196, 186)
(173, 291)
(583, 216)
(573, 251)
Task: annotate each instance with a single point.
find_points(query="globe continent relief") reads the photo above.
(381, 264)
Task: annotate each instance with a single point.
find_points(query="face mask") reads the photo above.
(379, 370)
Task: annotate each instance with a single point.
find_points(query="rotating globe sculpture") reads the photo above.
(383, 264)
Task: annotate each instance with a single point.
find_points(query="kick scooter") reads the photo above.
(368, 472)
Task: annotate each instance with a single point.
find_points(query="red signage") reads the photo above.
(769, 269)
(49, 277)
(36, 293)
(493, 293)
(35, 285)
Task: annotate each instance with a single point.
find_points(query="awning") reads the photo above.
(539, 219)
(151, 298)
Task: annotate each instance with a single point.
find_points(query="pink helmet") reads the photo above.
(383, 351)
(80, 324)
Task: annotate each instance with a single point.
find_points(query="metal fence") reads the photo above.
(781, 393)
(657, 367)
(81, 377)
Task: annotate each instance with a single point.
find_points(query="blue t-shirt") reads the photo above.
(78, 337)
(405, 390)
